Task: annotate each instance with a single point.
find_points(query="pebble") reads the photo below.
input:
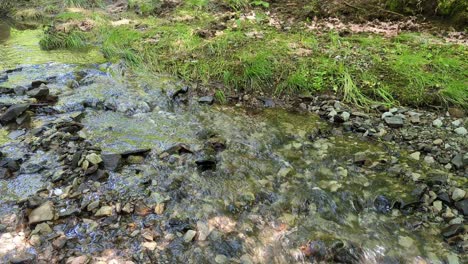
(438, 141)
(429, 159)
(456, 123)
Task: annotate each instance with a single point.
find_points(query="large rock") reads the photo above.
(45, 212)
(13, 112)
(458, 194)
(461, 131)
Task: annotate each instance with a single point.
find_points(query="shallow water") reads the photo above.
(278, 184)
(19, 47)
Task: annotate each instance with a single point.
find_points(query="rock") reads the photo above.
(456, 123)
(394, 121)
(206, 100)
(59, 242)
(104, 211)
(429, 159)
(361, 158)
(111, 161)
(20, 90)
(462, 206)
(38, 83)
(220, 259)
(452, 259)
(437, 123)
(23, 258)
(173, 93)
(135, 159)
(453, 230)
(386, 114)
(94, 158)
(13, 112)
(456, 112)
(42, 229)
(188, 237)
(461, 131)
(203, 230)
(415, 155)
(40, 93)
(45, 212)
(78, 260)
(458, 194)
(149, 245)
(382, 204)
(437, 141)
(5, 173)
(406, 242)
(437, 206)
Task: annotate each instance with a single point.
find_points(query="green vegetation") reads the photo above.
(194, 43)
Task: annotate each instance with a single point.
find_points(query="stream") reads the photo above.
(196, 183)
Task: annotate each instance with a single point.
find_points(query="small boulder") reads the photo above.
(188, 237)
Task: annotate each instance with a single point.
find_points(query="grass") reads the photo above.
(365, 69)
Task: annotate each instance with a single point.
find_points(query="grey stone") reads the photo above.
(394, 121)
(39, 93)
(462, 206)
(206, 100)
(458, 161)
(111, 161)
(437, 123)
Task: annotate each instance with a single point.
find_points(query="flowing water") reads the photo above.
(279, 181)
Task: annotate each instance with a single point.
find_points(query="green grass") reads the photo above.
(365, 69)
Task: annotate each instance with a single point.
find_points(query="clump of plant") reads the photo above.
(73, 40)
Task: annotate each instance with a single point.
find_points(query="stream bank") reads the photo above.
(102, 164)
